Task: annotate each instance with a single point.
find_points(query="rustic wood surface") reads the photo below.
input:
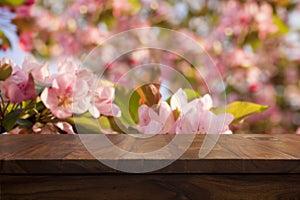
(152, 186)
(238, 167)
(65, 154)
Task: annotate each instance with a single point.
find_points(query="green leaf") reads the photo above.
(191, 94)
(86, 124)
(134, 106)
(5, 71)
(104, 122)
(40, 106)
(12, 2)
(282, 27)
(122, 99)
(136, 5)
(4, 41)
(25, 123)
(240, 110)
(252, 39)
(116, 125)
(11, 119)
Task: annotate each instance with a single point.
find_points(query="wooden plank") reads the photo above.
(65, 154)
(152, 186)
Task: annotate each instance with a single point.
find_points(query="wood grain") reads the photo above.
(150, 186)
(65, 154)
(61, 167)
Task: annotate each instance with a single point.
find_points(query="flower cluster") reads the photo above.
(34, 99)
(183, 117)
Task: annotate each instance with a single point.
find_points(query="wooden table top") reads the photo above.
(67, 154)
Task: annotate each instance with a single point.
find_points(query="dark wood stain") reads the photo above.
(250, 166)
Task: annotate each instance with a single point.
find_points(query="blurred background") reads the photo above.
(254, 44)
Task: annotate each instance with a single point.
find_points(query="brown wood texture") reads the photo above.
(65, 154)
(238, 167)
(152, 186)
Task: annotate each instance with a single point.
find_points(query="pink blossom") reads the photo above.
(29, 2)
(26, 41)
(102, 102)
(90, 36)
(120, 6)
(179, 101)
(19, 86)
(23, 11)
(264, 18)
(40, 72)
(6, 60)
(67, 65)
(195, 116)
(53, 128)
(125, 23)
(16, 130)
(4, 47)
(235, 18)
(153, 122)
(68, 43)
(42, 18)
(64, 126)
(65, 93)
(197, 121)
(70, 66)
(76, 93)
(239, 58)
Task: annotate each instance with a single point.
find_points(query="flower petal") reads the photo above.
(178, 100)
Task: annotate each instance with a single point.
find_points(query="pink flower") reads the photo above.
(120, 6)
(235, 18)
(16, 130)
(195, 116)
(29, 2)
(90, 36)
(102, 102)
(40, 72)
(179, 101)
(67, 65)
(53, 128)
(4, 47)
(264, 18)
(70, 66)
(68, 43)
(6, 60)
(65, 93)
(238, 58)
(23, 11)
(66, 127)
(197, 121)
(72, 92)
(26, 41)
(19, 86)
(153, 122)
